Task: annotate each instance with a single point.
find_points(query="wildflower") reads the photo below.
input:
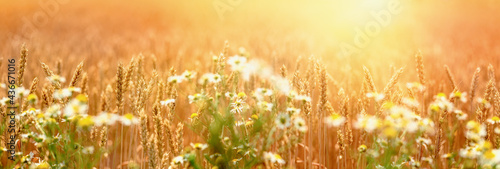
(20, 92)
(230, 95)
(105, 118)
(378, 97)
(85, 122)
(54, 79)
(387, 105)
(254, 116)
(368, 123)
(303, 98)
(283, 121)
(188, 75)
(75, 107)
(280, 83)
(416, 85)
(447, 156)
(335, 120)
(242, 51)
(235, 161)
(411, 126)
(260, 93)
(494, 120)
(88, 150)
(30, 112)
(441, 103)
(428, 160)
(176, 79)
(82, 98)
(460, 115)
(239, 123)
(242, 95)
(249, 123)
(237, 106)
(411, 102)
(32, 98)
(389, 132)
(293, 111)
(129, 119)
(194, 115)
(362, 148)
(74, 89)
(484, 102)
(265, 106)
(178, 160)
(62, 93)
(264, 91)
(475, 130)
(237, 63)
(27, 158)
(209, 78)
(42, 165)
(53, 111)
(469, 152)
(423, 141)
(300, 124)
(199, 146)
(273, 158)
(167, 102)
(459, 95)
(195, 98)
(427, 125)
(4, 101)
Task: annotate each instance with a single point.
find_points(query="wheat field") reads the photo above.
(228, 84)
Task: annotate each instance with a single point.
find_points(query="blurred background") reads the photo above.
(344, 34)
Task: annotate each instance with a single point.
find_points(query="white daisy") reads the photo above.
(167, 102)
(237, 63)
(335, 120)
(282, 121)
(300, 124)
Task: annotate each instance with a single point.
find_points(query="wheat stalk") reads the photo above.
(420, 67)
(393, 81)
(450, 78)
(473, 87)
(369, 80)
(22, 64)
(76, 75)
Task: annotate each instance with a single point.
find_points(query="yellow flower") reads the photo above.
(494, 120)
(194, 115)
(335, 120)
(390, 132)
(387, 105)
(249, 123)
(255, 117)
(242, 95)
(32, 98)
(85, 122)
(447, 156)
(362, 148)
(441, 95)
(129, 119)
(279, 159)
(82, 98)
(40, 115)
(43, 165)
(199, 146)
